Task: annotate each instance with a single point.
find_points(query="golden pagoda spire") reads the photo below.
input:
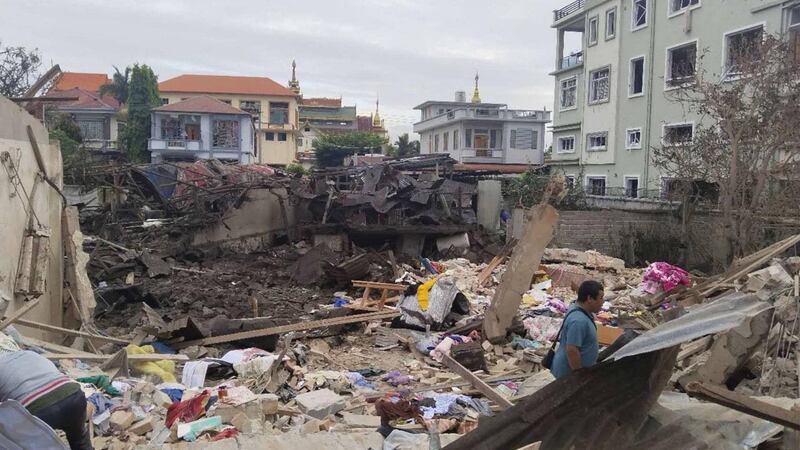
(294, 85)
(376, 118)
(476, 96)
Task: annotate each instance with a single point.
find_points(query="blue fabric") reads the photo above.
(579, 330)
(161, 347)
(174, 394)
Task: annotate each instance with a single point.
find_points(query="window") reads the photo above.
(299, 142)
(638, 15)
(593, 30)
(455, 139)
(445, 140)
(165, 101)
(598, 86)
(569, 92)
(633, 138)
(282, 137)
(636, 81)
(227, 102)
(170, 128)
(678, 134)
(677, 6)
(270, 136)
(596, 142)
(251, 106)
(681, 62)
(91, 129)
(468, 138)
(495, 138)
(225, 134)
(741, 47)
(569, 181)
(566, 144)
(596, 185)
(611, 23)
(794, 17)
(436, 143)
(632, 187)
(278, 112)
(524, 139)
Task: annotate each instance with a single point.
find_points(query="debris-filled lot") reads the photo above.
(333, 334)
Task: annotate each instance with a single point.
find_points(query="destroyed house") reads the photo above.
(201, 128)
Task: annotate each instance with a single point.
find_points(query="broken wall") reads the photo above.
(24, 194)
(253, 224)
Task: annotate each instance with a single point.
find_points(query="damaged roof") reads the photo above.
(86, 100)
(81, 80)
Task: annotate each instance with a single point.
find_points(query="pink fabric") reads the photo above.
(664, 275)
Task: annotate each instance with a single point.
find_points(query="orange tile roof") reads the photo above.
(323, 101)
(86, 81)
(201, 104)
(223, 84)
(85, 99)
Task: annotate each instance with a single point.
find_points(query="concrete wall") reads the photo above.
(16, 150)
(254, 223)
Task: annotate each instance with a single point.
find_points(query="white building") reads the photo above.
(201, 128)
(477, 132)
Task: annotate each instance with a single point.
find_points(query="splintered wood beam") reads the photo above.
(14, 316)
(745, 404)
(55, 329)
(476, 382)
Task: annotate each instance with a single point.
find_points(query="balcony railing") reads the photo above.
(572, 60)
(575, 6)
(175, 144)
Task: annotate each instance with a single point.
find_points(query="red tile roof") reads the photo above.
(86, 99)
(201, 104)
(223, 84)
(88, 81)
(323, 101)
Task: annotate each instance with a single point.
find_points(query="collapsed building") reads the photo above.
(371, 306)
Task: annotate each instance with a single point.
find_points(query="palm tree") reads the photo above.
(406, 147)
(118, 88)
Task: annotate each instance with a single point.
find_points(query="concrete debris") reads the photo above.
(320, 404)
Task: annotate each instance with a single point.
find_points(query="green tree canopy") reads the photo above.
(404, 147)
(142, 98)
(118, 88)
(330, 150)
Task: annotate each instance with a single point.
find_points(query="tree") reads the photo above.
(331, 149)
(118, 88)
(747, 141)
(19, 69)
(404, 147)
(142, 98)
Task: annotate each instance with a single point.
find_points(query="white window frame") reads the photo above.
(635, 27)
(664, 127)
(628, 145)
(789, 12)
(674, 13)
(727, 34)
(605, 30)
(631, 94)
(625, 179)
(589, 137)
(561, 94)
(668, 66)
(593, 177)
(570, 176)
(558, 144)
(589, 86)
(596, 20)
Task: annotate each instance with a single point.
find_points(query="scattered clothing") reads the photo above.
(664, 276)
(101, 382)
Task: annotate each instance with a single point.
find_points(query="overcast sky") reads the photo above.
(405, 51)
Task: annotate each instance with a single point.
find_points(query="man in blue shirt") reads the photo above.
(578, 345)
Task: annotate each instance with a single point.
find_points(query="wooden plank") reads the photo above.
(55, 329)
(376, 285)
(11, 318)
(745, 404)
(694, 348)
(607, 335)
(54, 347)
(23, 283)
(487, 271)
(301, 326)
(134, 358)
(476, 382)
(538, 231)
